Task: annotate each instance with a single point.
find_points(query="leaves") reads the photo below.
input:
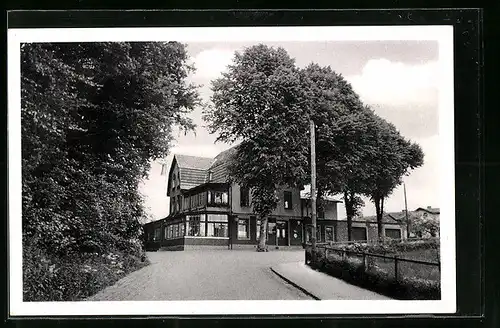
(93, 117)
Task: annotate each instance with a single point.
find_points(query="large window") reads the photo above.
(217, 198)
(288, 199)
(195, 225)
(210, 225)
(329, 234)
(244, 197)
(198, 199)
(393, 233)
(243, 229)
(359, 233)
(217, 225)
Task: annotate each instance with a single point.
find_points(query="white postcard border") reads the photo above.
(442, 34)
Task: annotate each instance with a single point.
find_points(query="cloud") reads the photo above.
(211, 62)
(395, 83)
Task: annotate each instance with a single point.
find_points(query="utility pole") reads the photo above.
(406, 214)
(313, 189)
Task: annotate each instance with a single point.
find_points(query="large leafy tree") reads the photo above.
(93, 117)
(391, 158)
(341, 121)
(259, 102)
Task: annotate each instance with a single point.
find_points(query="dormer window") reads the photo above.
(209, 176)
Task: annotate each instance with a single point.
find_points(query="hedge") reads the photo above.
(352, 271)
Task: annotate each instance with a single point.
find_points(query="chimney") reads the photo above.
(429, 207)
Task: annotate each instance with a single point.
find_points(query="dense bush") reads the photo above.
(352, 270)
(73, 277)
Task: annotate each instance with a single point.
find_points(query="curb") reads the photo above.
(295, 285)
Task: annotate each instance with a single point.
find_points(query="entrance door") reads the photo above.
(282, 233)
(296, 232)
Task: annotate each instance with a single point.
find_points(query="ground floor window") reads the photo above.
(217, 225)
(359, 233)
(393, 233)
(329, 234)
(243, 229)
(195, 225)
(206, 225)
(217, 229)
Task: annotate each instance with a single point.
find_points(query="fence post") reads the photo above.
(396, 267)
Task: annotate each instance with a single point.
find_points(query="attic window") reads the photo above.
(209, 176)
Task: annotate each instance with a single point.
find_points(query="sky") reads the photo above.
(398, 79)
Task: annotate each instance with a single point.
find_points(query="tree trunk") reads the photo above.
(262, 247)
(379, 208)
(349, 213)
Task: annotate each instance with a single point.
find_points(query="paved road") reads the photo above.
(207, 275)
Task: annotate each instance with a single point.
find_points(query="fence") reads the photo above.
(392, 267)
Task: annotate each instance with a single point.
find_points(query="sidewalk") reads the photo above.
(321, 286)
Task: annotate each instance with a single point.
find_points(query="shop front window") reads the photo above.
(195, 225)
(217, 225)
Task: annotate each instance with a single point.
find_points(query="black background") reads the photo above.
(476, 156)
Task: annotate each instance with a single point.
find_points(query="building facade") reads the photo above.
(206, 211)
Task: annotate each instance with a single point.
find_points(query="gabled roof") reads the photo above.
(219, 167)
(192, 170)
(193, 162)
(428, 209)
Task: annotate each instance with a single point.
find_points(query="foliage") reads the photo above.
(424, 226)
(73, 277)
(258, 102)
(340, 119)
(93, 117)
(390, 157)
(353, 271)
(390, 246)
